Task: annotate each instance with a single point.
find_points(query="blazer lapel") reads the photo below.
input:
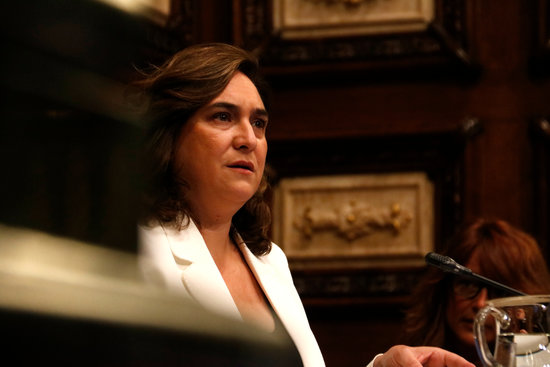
(287, 304)
(200, 275)
(276, 291)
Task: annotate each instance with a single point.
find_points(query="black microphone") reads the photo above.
(448, 265)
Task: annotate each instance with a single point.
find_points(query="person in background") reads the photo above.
(443, 306)
(204, 230)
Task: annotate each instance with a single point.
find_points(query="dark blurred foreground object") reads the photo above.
(68, 152)
(67, 303)
(68, 141)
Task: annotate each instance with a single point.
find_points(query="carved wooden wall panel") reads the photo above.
(439, 155)
(445, 41)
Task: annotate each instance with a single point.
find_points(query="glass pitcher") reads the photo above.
(521, 333)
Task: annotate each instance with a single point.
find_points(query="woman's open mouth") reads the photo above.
(242, 165)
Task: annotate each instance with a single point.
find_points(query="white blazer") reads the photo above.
(180, 261)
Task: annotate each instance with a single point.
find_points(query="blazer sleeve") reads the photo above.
(371, 363)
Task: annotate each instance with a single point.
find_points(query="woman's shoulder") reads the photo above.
(278, 260)
(149, 229)
(158, 232)
(149, 234)
(276, 254)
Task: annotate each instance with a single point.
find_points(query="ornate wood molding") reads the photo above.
(540, 60)
(177, 32)
(440, 155)
(446, 42)
(540, 128)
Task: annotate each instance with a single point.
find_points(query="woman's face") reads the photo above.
(461, 311)
(221, 150)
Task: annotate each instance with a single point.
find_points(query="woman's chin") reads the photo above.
(241, 195)
(466, 338)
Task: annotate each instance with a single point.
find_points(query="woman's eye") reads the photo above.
(222, 116)
(259, 123)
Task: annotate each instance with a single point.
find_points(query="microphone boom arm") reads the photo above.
(448, 265)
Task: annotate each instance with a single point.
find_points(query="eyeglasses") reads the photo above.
(470, 289)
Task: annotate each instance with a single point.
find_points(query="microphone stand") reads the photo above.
(448, 265)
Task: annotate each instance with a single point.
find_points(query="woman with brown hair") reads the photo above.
(204, 231)
(443, 306)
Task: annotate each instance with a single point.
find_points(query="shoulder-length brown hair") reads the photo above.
(176, 90)
(509, 256)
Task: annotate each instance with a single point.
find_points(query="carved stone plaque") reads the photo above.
(325, 18)
(355, 220)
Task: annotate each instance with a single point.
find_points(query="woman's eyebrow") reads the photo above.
(227, 105)
(261, 112)
(233, 107)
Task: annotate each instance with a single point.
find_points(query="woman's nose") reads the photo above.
(481, 300)
(244, 138)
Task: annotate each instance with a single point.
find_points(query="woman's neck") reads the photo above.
(217, 239)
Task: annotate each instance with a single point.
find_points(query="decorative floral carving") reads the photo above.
(345, 2)
(353, 220)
